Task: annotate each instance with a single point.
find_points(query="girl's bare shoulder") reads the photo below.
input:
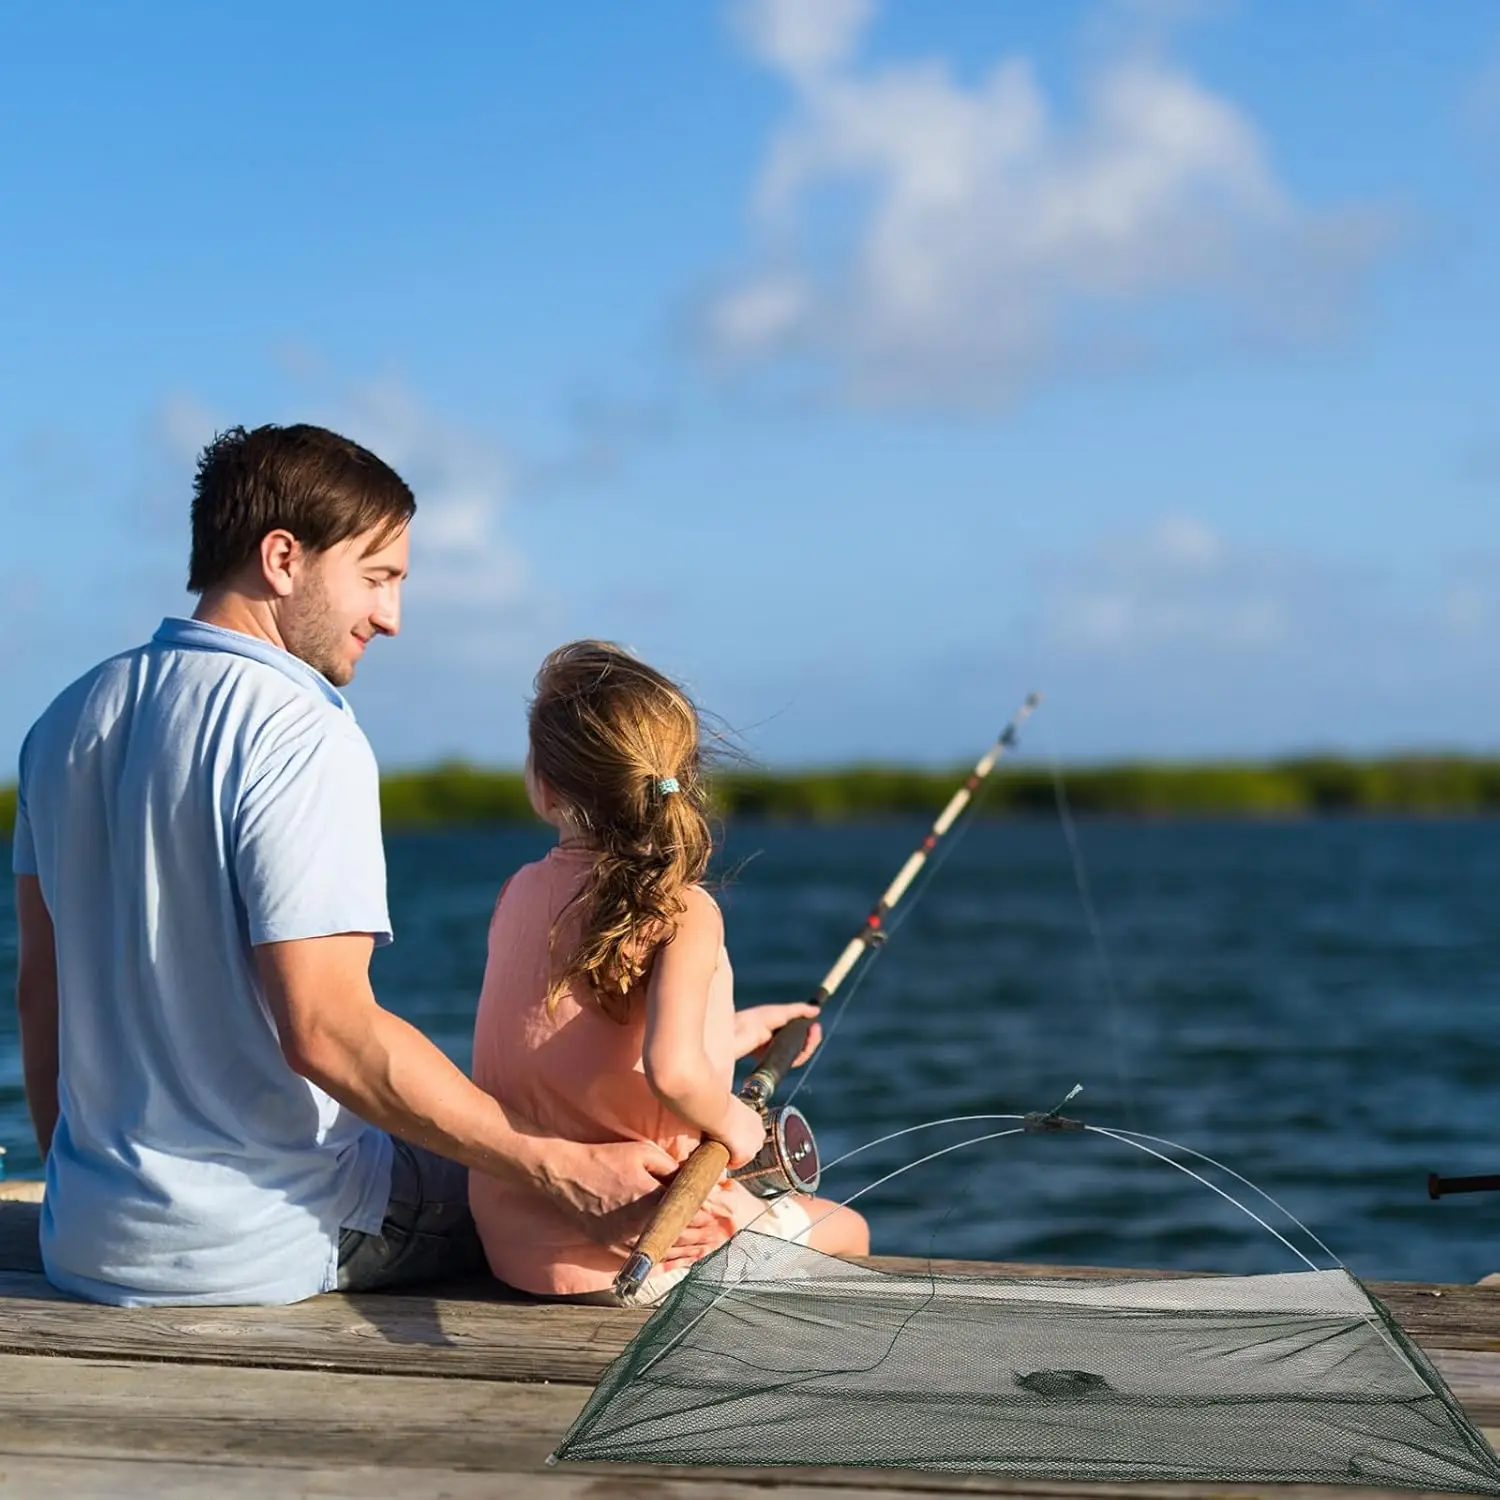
(701, 909)
(699, 925)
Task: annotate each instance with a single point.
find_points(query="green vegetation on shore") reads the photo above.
(459, 795)
(1421, 785)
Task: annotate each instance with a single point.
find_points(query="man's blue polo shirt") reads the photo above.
(181, 804)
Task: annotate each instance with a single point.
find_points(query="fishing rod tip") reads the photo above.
(1033, 700)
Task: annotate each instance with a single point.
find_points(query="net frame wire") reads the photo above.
(745, 1290)
(1465, 1438)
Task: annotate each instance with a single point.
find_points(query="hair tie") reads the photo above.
(667, 785)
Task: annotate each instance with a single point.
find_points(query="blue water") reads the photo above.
(1315, 1004)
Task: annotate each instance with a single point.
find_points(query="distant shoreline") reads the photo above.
(458, 795)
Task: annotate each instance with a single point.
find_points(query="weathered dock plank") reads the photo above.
(395, 1335)
(481, 1331)
(463, 1392)
(109, 1408)
(298, 1428)
(47, 1478)
(444, 1337)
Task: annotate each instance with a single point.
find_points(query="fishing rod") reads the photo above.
(1440, 1187)
(789, 1161)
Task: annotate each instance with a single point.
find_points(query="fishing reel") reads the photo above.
(788, 1162)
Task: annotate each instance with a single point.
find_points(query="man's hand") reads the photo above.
(613, 1188)
(728, 1208)
(755, 1026)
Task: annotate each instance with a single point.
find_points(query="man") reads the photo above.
(227, 1114)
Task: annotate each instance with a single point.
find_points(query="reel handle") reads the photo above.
(1440, 1187)
(692, 1184)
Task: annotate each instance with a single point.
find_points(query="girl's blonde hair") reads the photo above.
(609, 737)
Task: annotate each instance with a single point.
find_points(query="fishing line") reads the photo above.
(921, 1161)
(1280, 1208)
(1096, 929)
(880, 1141)
(1124, 1137)
(1212, 1187)
(1187, 1171)
(806, 1070)
(1384, 1336)
(912, 1130)
(902, 913)
(798, 1160)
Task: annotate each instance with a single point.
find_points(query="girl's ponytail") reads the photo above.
(618, 744)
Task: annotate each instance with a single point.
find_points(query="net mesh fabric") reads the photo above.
(769, 1353)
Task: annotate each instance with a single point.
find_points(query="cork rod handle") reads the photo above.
(683, 1198)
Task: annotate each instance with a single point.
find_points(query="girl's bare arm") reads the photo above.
(677, 1067)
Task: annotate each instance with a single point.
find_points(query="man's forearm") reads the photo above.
(394, 1077)
(335, 1034)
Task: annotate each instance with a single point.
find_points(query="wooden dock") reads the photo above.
(457, 1395)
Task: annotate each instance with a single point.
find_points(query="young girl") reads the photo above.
(608, 1010)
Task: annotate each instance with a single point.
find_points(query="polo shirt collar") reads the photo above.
(199, 635)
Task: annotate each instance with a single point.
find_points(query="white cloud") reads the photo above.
(462, 558)
(1178, 583)
(760, 314)
(802, 37)
(468, 579)
(939, 243)
(1179, 589)
(1178, 637)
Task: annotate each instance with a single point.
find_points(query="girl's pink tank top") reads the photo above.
(571, 1071)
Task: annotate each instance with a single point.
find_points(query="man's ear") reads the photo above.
(279, 551)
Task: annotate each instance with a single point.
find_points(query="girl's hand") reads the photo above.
(755, 1026)
(742, 1130)
(729, 1208)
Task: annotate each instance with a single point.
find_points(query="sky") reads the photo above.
(864, 365)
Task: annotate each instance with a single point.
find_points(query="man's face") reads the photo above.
(342, 599)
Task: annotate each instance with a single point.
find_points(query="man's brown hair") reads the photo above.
(319, 486)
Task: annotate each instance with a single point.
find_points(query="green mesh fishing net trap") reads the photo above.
(769, 1353)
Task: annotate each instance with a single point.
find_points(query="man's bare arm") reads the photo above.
(36, 1005)
(335, 1034)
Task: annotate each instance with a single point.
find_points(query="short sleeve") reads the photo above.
(23, 845)
(308, 857)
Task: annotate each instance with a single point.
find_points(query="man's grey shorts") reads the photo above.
(428, 1233)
